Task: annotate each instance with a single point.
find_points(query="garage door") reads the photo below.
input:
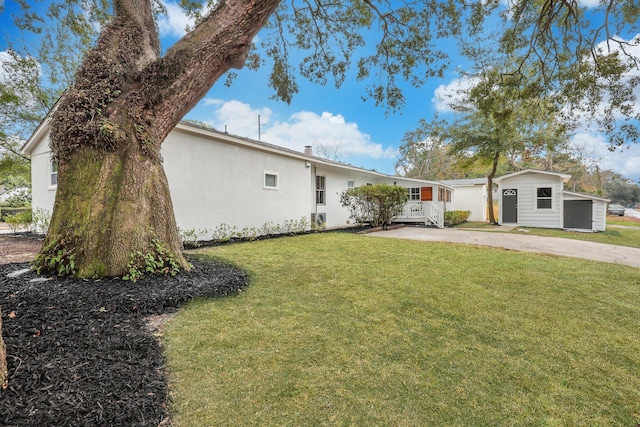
(578, 214)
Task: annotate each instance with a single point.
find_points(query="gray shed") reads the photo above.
(534, 198)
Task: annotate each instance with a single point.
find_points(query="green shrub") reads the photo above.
(188, 237)
(157, 261)
(20, 198)
(453, 218)
(20, 221)
(376, 204)
(6, 211)
(41, 220)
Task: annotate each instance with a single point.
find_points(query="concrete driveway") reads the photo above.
(520, 242)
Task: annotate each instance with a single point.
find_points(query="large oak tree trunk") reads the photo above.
(113, 198)
(108, 207)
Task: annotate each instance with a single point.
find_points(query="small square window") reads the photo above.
(270, 180)
(351, 184)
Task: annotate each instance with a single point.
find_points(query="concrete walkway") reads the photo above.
(521, 242)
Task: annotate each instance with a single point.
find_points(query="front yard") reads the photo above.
(336, 329)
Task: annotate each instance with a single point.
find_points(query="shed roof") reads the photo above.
(565, 177)
(585, 196)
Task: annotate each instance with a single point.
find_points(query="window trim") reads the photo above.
(264, 180)
(53, 174)
(322, 190)
(413, 196)
(539, 198)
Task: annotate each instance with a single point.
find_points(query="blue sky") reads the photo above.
(362, 133)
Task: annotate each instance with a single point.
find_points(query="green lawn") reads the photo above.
(627, 222)
(339, 329)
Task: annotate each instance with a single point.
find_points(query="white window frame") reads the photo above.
(538, 198)
(321, 191)
(264, 180)
(53, 174)
(351, 184)
(411, 196)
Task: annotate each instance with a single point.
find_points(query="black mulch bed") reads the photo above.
(81, 353)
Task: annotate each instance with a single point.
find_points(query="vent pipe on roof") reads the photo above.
(308, 150)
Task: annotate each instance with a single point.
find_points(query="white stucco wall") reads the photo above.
(528, 214)
(337, 179)
(214, 182)
(42, 192)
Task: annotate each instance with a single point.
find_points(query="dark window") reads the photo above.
(544, 199)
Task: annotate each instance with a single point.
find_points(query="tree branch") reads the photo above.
(174, 84)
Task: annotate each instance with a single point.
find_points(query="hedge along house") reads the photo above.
(219, 179)
(535, 198)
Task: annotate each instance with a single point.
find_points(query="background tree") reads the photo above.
(620, 189)
(329, 150)
(32, 78)
(112, 197)
(20, 112)
(423, 157)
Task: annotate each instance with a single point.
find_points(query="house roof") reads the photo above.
(565, 177)
(465, 182)
(43, 128)
(265, 146)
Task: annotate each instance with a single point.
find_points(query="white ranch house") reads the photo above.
(216, 178)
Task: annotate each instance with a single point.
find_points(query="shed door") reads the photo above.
(510, 205)
(578, 214)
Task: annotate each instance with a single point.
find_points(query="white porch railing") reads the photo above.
(435, 214)
(412, 210)
(429, 212)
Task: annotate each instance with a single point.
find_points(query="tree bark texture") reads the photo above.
(492, 174)
(4, 373)
(113, 197)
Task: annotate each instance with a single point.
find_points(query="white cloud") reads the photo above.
(212, 101)
(624, 160)
(238, 118)
(589, 3)
(301, 129)
(306, 128)
(175, 22)
(4, 57)
(451, 93)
